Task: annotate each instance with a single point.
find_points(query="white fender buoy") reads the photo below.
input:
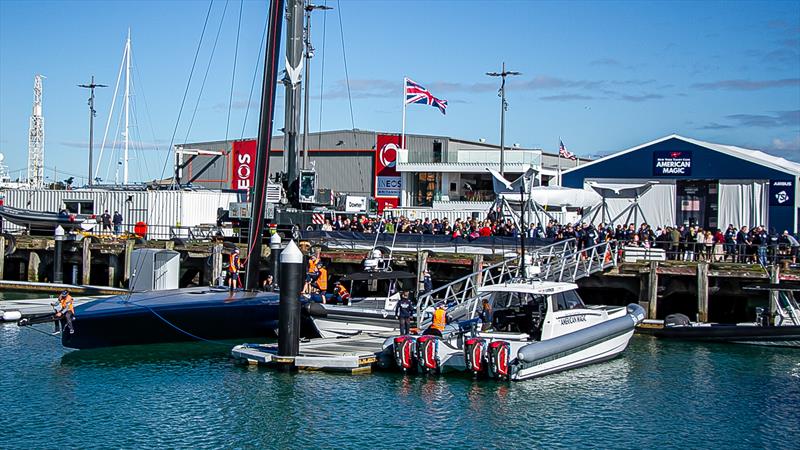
(12, 316)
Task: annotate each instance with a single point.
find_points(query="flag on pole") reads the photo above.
(418, 94)
(564, 153)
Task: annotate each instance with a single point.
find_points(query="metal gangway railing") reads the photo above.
(561, 261)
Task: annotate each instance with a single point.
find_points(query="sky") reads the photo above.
(601, 76)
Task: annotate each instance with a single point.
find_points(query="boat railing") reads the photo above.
(579, 263)
(461, 295)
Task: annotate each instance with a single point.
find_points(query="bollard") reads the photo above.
(289, 307)
(275, 253)
(58, 272)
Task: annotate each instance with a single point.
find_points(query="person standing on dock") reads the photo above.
(106, 220)
(234, 264)
(403, 311)
(66, 309)
(117, 220)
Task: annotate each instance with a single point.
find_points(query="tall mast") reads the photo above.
(267, 112)
(308, 55)
(127, 105)
(294, 66)
(36, 138)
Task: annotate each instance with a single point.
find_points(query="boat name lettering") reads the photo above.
(569, 320)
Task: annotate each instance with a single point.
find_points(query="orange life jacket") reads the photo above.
(312, 264)
(341, 291)
(322, 281)
(439, 319)
(66, 303)
(233, 262)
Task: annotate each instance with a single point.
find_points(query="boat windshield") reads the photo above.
(568, 300)
(506, 300)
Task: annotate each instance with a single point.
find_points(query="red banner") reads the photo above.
(243, 164)
(388, 182)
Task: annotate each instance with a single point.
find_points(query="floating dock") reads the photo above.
(352, 354)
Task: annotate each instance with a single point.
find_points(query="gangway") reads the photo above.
(561, 261)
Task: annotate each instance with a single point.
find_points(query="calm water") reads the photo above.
(660, 394)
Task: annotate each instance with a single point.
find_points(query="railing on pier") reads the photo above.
(561, 261)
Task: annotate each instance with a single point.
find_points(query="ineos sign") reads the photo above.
(243, 165)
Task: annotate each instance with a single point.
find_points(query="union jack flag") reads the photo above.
(564, 153)
(418, 94)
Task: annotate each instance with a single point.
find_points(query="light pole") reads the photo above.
(58, 273)
(503, 106)
(308, 55)
(92, 112)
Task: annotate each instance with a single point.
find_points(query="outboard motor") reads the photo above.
(405, 352)
(498, 359)
(475, 355)
(676, 320)
(427, 354)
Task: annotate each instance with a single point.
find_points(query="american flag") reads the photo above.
(564, 153)
(418, 94)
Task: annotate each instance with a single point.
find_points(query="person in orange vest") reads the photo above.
(340, 294)
(66, 309)
(439, 321)
(313, 269)
(234, 264)
(322, 279)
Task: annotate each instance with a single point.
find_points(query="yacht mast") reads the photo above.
(127, 105)
(265, 123)
(294, 67)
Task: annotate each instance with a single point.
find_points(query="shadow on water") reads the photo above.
(184, 353)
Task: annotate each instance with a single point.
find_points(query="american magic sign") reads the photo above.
(671, 164)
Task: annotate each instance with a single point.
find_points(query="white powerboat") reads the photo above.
(539, 328)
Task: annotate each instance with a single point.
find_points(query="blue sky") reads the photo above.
(601, 76)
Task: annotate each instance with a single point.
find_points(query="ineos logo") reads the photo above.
(388, 155)
(243, 172)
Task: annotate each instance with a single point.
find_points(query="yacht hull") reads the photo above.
(781, 336)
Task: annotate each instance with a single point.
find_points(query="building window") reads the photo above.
(424, 188)
(437, 151)
(697, 203)
(79, 206)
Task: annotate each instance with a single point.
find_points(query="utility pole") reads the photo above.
(308, 55)
(36, 138)
(503, 106)
(92, 113)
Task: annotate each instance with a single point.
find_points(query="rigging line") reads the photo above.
(186, 91)
(233, 75)
(346, 76)
(111, 109)
(147, 113)
(255, 74)
(322, 74)
(114, 148)
(208, 69)
(347, 81)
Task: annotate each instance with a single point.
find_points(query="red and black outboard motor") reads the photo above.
(427, 355)
(475, 355)
(405, 352)
(499, 352)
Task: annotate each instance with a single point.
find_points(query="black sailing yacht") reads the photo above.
(196, 313)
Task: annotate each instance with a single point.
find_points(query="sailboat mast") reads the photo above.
(127, 105)
(294, 67)
(264, 144)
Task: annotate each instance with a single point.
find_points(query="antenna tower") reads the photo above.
(36, 138)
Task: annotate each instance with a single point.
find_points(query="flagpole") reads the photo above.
(559, 161)
(403, 135)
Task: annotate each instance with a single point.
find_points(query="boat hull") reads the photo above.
(173, 316)
(347, 321)
(784, 336)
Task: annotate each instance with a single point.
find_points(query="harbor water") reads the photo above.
(659, 394)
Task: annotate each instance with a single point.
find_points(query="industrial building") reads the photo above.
(676, 180)
(433, 172)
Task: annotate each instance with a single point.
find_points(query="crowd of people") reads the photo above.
(742, 244)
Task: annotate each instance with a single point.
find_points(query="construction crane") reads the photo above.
(36, 138)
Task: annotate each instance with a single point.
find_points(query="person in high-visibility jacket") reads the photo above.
(234, 264)
(439, 318)
(66, 309)
(313, 269)
(322, 280)
(340, 294)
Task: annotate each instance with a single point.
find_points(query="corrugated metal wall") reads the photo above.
(159, 209)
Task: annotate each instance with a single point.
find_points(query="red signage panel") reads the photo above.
(388, 182)
(243, 164)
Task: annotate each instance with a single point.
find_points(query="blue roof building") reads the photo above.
(692, 182)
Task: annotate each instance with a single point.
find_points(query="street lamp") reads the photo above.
(503, 106)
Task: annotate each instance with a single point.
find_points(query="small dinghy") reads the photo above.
(539, 328)
(48, 221)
